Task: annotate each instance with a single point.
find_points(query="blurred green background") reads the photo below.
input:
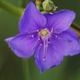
(15, 68)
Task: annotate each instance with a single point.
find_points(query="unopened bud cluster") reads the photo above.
(49, 6)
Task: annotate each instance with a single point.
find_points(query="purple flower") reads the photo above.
(46, 36)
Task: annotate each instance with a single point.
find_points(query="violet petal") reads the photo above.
(22, 45)
(60, 21)
(67, 43)
(31, 19)
(52, 58)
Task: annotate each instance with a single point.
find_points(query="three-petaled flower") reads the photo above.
(46, 36)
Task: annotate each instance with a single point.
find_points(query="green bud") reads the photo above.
(49, 6)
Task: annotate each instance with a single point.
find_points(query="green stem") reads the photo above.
(75, 26)
(38, 4)
(12, 9)
(26, 72)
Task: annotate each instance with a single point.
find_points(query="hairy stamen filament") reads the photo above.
(68, 40)
(51, 30)
(45, 49)
(33, 31)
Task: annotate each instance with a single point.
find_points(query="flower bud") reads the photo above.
(49, 6)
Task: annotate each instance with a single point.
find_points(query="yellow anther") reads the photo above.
(44, 32)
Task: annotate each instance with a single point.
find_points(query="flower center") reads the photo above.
(44, 32)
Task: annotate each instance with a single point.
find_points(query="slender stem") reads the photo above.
(26, 72)
(38, 4)
(12, 9)
(75, 26)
